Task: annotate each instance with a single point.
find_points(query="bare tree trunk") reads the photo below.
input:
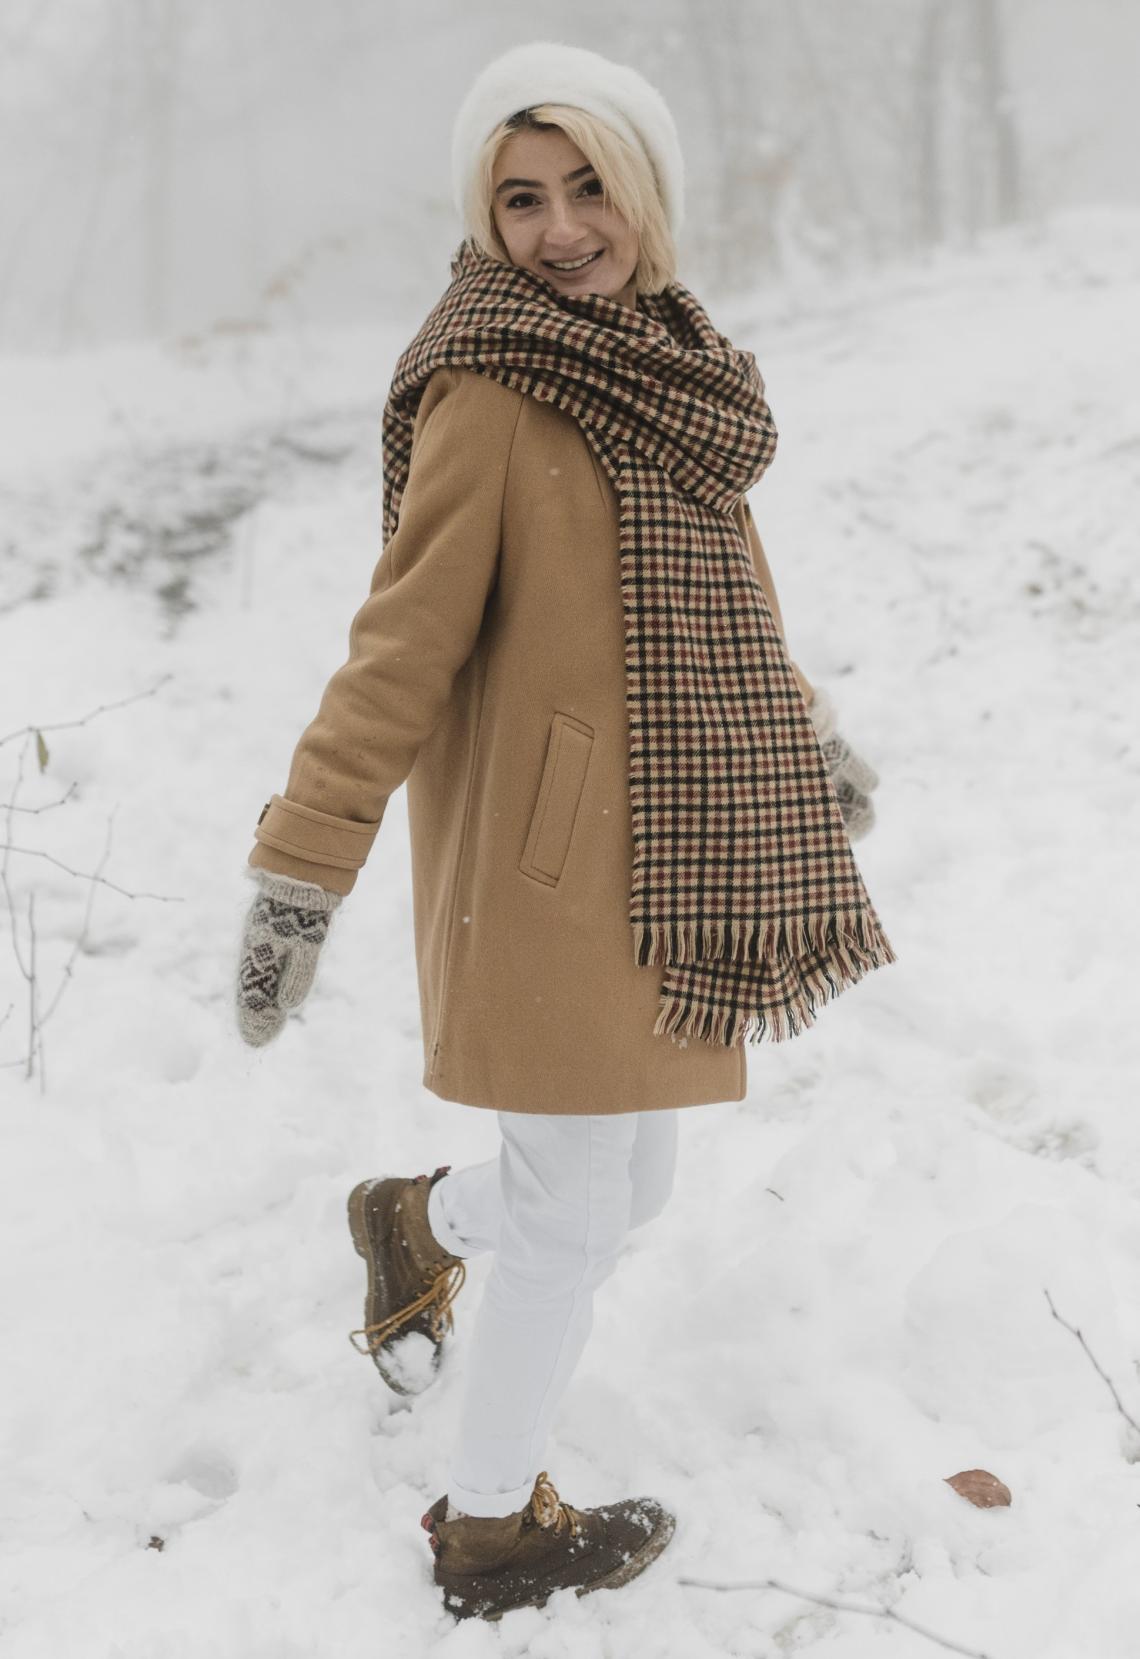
(106, 156)
(1004, 160)
(750, 166)
(706, 61)
(928, 150)
(846, 176)
(158, 37)
(967, 159)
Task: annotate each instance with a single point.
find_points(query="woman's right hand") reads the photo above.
(852, 777)
(285, 927)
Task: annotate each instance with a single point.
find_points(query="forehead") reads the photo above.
(533, 154)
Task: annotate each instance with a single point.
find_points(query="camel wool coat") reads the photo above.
(486, 670)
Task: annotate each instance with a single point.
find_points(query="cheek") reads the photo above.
(624, 239)
(516, 241)
(630, 249)
(504, 232)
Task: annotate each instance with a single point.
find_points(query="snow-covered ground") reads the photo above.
(845, 1301)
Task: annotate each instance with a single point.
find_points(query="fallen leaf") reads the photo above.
(980, 1487)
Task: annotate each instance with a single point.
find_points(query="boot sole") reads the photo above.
(462, 1608)
(362, 1243)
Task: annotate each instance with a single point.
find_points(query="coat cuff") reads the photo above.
(315, 839)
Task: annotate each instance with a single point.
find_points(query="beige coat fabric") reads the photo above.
(487, 670)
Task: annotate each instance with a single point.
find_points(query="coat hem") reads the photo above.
(463, 1098)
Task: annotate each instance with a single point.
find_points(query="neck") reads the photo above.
(627, 295)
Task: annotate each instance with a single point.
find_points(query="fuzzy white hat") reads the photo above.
(546, 72)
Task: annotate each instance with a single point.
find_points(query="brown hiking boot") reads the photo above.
(412, 1279)
(488, 1567)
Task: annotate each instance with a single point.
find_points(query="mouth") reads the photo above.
(568, 267)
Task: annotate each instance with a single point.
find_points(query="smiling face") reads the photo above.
(553, 218)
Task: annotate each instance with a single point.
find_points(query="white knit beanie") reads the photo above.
(546, 72)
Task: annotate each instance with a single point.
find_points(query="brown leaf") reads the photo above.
(980, 1487)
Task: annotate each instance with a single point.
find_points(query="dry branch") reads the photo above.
(104, 708)
(34, 1045)
(841, 1607)
(81, 937)
(1096, 1366)
(25, 952)
(34, 811)
(85, 875)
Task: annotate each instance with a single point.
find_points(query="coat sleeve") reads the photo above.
(407, 642)
(764, 577)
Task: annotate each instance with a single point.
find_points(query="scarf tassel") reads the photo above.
(826, 954)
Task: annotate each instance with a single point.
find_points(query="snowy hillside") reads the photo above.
(845, 1301)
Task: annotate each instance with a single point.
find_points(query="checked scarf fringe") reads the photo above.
(744, 882)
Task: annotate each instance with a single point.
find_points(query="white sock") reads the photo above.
(454, 1514)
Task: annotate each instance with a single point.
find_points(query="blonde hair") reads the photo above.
(628, 181)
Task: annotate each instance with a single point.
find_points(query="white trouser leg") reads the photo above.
(654, 1164)
(466, 1207)
(566, 1198)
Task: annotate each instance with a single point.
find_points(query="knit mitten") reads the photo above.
(851, 776)
(285, 928)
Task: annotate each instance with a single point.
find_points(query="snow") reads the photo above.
(845, 1300)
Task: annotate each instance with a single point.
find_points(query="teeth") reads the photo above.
(573, 264)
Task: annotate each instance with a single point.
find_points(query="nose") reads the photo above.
(563, 227)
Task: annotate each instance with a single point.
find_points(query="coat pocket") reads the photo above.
(560, 791)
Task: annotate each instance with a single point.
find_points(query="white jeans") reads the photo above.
(555, 1207)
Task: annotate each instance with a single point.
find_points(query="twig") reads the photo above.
(37, 1015)
(81, 938)
(841, 1607)
(1108, 1380)
(10, 807)
(27, 963)
(83, 875)
(104, 708)
(33, 811)
(34, 1042)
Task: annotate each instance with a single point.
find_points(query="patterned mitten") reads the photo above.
(851, 777)
(284, 931)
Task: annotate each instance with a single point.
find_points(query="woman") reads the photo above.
(573, 655)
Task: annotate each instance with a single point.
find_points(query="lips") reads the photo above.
(572, 267)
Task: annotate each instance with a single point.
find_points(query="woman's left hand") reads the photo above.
(852, 777)
(285, 927)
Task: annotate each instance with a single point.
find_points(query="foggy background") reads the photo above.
(181, 165)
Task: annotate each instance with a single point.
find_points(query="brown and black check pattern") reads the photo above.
(744, 881)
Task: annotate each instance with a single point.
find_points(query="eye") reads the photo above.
(522, 198)
(593, 187)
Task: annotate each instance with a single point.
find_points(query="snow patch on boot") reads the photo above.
(411, 1362)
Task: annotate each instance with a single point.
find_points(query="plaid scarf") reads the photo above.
(744, 881)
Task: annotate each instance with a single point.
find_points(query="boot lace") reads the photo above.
(442, 1289)
(549, 1510)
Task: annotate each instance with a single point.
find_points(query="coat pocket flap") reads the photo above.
(563, 777)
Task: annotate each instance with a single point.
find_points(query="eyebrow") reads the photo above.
(536, 184)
